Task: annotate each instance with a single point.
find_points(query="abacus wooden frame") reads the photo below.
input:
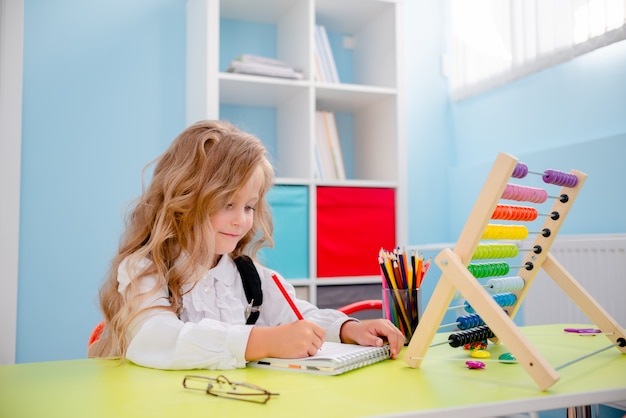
(455, 275)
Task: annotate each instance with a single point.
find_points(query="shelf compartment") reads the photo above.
(290, 148)
(251, 90)
(290, 210)
(371, 29)
(353, 223)
(274, 28)
(371, 146)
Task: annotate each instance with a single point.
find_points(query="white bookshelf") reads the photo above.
(373, 98)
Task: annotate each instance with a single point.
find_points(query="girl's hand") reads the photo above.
(293, 340)
(373, 332)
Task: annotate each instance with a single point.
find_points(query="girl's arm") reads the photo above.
(276, 310)
(159, 339)
(292, 340)
(374, 332)
(338, 326)
(163, 341)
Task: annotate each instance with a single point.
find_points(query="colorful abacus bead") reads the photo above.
(505, 284)
(501, 232)
(520, 171)
(461, 338)
(560, 178)
(480, 270)
(484, 251)
(524, 194)
(515, 213)
(469, 321)
(476, 345)
(507, 358)
(502, 299)
(480, 353)
(474, 364)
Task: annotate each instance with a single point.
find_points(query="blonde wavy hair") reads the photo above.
(197, 176)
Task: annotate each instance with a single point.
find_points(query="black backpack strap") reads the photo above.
(251, 285)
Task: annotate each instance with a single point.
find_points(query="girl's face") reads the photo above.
(232, 222)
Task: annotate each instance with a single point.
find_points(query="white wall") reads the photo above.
(11, 47)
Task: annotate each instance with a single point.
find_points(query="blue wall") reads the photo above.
(103, 94)
(567, 117)
(429, 132)
(104, 87)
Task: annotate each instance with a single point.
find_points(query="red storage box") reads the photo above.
(353, 223)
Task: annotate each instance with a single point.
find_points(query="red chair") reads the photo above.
(362, 305)
(96, 333)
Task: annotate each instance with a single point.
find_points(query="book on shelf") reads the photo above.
(325, 162)
(335, 145)
(318, 169)
(319, 72)
(331, 359)
(326, 68)
(329, 158)
(264, 66)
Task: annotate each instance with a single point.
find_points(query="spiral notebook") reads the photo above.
(332, 359)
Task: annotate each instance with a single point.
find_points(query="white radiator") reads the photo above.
(597, 262)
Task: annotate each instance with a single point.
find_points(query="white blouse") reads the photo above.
(212, 332)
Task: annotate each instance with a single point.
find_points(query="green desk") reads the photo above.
(440, 387)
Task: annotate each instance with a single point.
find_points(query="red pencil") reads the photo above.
(287, 298)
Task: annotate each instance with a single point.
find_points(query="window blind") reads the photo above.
(492, 42)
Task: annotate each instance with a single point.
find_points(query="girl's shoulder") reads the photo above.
(129, 269)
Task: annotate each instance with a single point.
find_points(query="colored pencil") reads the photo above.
(287, 297)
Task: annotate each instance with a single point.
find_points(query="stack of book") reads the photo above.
(328, 156)
(325, 67)
(258, 65)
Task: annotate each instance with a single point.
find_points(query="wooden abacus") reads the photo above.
(456, 275)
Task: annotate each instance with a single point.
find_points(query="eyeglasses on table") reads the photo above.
(221, 386)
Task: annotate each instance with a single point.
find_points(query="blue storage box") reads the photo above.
(290, 210)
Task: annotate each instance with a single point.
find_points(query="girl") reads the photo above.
(174, 298)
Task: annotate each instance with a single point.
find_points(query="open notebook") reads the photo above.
(333, 358)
